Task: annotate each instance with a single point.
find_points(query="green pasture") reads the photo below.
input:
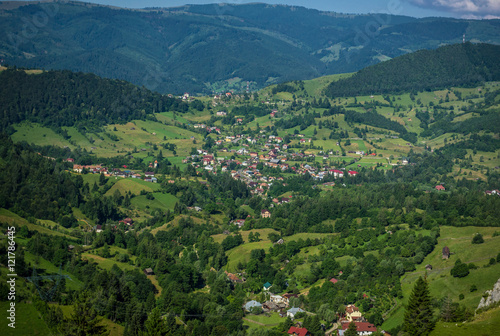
(11, 218)
(38, 135)
(40, 263)
(175, 222)
(485, 324)
(440, 279)
(268, 319)
(242, 253)
(28, 321)
(135, 186)
(161, 201)
(106, 263)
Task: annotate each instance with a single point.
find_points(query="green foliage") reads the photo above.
(84, 320)
(478, 239)
(419, 318)
(460, 270)
(455, 65)
(351, 330)
(232, 241)
(453, 312)
(64, 98)
(155, 326)
(31, 185)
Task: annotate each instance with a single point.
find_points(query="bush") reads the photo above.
(460, 270)
(473, 288)
(478, 239)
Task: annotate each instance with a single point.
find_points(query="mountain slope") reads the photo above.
(63, 98)
(192, 48)
(455, 65)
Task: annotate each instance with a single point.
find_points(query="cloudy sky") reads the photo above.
(417, 8)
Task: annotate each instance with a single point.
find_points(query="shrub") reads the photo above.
(478, 239)
(460, 270)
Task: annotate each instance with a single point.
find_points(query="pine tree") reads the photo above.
(155, 326)
(84, 320)
(351, 330)
(418, 316)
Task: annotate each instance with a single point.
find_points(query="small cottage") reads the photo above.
(446, 252)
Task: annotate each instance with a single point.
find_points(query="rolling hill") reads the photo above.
(214, 47)
(425, 70)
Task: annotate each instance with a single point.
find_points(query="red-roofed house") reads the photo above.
(440, 187)
(333, 280)
(127, 221)
(337, 173)
(297, 331)
(352, 173)
(363, 328)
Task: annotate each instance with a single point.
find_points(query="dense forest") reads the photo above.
(64, 98)
(462, 65)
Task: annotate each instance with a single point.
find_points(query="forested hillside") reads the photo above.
(64, 98)
(205, 48)
(463, 65)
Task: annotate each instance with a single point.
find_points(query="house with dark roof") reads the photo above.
(446, 252)
(267, 285)
(265, 213)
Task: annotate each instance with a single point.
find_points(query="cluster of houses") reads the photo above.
(492, 192)
(209, 129)
(353, 315)
(246, 169)
(281, 304)
(116, 172)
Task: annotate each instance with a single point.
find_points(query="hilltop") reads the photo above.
(206, 48)
(463, 65)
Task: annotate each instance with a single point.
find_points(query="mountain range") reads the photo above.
(206, 48)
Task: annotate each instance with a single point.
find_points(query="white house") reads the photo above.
(293, 311)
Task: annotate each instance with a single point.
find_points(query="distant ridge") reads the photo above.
(207, 48)
(454, 65)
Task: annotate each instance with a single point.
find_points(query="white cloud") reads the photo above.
(477, 8)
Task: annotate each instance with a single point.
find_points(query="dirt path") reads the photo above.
(332, 329)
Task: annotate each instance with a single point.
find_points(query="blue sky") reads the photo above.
(417, 8)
